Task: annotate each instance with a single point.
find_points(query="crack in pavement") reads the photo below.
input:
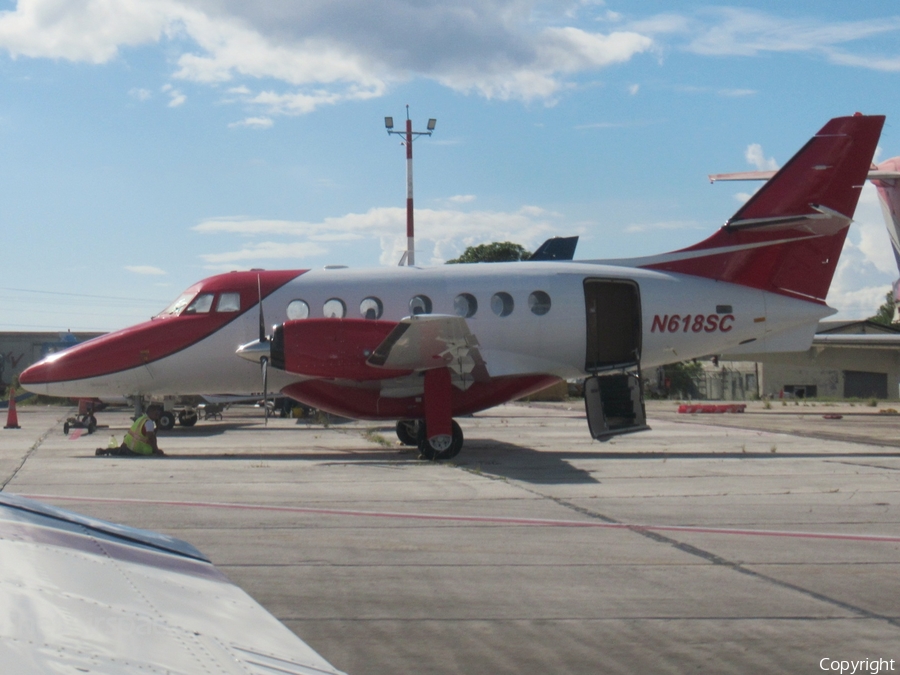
(32, 449)
(717, 559)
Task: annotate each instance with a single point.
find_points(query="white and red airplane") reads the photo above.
(422, 345)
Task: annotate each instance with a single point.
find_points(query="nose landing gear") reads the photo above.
(440, 447)
(413, 433)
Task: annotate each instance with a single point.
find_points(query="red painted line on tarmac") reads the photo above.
(499, 520)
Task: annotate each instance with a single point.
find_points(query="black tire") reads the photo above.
(429, 453)
(166, 420)
(91, 423)
(188, 419)
(66, 429)
(408, 432)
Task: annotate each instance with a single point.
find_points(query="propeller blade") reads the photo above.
(264, 363)
(262, 322)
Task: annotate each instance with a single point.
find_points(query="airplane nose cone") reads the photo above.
(85, 360)
(35, 374)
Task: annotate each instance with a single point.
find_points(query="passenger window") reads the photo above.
(465, 305)
(297, 309)
(229, 302)
(502, 304)
(201, 304)
(420, 304)
(539, 303)
(371, 308)
(334, 309)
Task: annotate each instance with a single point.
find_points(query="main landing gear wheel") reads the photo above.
(188, 418)
(408, 432)
(166, 420)
(444, 451)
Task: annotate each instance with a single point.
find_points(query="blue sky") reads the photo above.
(147, 144)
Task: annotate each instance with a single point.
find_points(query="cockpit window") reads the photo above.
(178, 306)
(229, 302)
(201, 304)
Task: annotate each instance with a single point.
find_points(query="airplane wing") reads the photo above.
(84, 595)
(427, 341)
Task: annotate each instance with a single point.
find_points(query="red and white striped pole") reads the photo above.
(410, 227)
(409, 136)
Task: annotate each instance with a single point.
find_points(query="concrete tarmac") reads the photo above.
(755, 543)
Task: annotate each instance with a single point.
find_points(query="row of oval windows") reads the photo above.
(464, 305)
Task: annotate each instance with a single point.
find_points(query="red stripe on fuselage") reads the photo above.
(803, 267)
(158, 338)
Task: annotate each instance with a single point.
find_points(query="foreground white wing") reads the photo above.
(84, 595)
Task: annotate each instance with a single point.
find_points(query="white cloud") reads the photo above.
(731, 31)
(874, 241)
(633, 89)
(145, 269)
(749, 32)
(253, 123)
(867, 267)
(266, 250)
(885, 64)
(176, 98)
(461, 199)
(664, 225)
(755, 156)
(737, 93)
(323, 53)
(91, 31)
(440, 234)
(139, 94)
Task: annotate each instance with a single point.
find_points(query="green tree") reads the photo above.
(885, 314)
(680, 377)
(498, 251)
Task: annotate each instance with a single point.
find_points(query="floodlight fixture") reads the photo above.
(431, 124)
(389, 122)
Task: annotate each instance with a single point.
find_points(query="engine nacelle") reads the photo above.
(331, 348)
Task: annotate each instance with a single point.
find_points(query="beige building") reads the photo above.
(848, 359)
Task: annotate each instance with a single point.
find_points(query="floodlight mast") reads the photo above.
(409, 257)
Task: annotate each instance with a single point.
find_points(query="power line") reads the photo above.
(78, 295)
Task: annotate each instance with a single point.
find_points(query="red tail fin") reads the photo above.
(787, 238)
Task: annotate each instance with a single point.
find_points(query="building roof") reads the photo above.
(863, 327)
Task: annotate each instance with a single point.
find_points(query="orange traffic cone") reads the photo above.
(12, 419)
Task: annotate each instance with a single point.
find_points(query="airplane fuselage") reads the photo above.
(529, 319)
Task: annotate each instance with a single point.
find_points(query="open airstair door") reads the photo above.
(613, 397)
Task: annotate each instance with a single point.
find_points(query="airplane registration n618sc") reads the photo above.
(422, 345)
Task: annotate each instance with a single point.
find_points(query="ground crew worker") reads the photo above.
(140, 439)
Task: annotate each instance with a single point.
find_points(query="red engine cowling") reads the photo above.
(331, 348)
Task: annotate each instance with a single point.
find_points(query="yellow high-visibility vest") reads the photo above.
(136, 440)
